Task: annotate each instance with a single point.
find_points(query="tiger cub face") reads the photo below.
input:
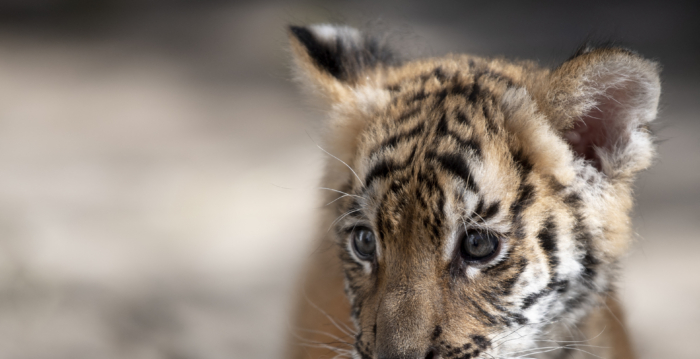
(481, 204)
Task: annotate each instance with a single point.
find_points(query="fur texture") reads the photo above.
(426, 151)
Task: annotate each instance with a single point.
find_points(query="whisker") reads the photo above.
(347, 194)
(347, 330)
(338, 339)
(340, 218)
(341, 197)
(324, 346)
(343, 162)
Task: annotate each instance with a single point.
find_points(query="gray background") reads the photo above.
(158, 166)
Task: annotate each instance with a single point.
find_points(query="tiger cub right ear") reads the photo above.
(335, 59)
(602, 100)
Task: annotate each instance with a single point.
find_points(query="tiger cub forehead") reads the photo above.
(435, 144)
(438, 152)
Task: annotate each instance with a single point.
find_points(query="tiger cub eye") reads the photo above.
(364, 243)
(479, 245)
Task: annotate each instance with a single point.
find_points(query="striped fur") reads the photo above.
(428, 149)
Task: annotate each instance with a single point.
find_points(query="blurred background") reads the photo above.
(158, 165)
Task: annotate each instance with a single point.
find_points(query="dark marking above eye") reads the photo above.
(479, 206)
(491, 211)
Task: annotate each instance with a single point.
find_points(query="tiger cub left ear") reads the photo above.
(334, 59)
(602, 101)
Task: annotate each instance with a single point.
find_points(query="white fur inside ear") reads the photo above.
(619, 98)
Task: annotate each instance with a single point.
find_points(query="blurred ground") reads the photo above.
(157, 166)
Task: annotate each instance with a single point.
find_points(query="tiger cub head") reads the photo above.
(481, 203)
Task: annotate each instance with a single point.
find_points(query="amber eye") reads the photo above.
(479, 245)
(364, 243)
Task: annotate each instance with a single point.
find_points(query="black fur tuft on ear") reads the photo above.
(322, 55)
(340, 51)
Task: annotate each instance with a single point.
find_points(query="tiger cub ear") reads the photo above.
(602, 101)
(335, 59)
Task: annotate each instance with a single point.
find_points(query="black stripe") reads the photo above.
(461, 117)
(487, 107)
(436, 332)
(547, 239)
(439, 215)
(394, 140)
(481, 341)
(522, 163)
(555, 184)
(560, 286)
(382, 232)
(491, 211)
(394, 87)
(533, 298)
(456, 165)
(504, 265)
(508, 284)
(525, 198)
(418, 96)
(573, 200)
(440, 96)
(489, 319)
(519, 318)
(428, 177)
(466, 145)
(589, 262)
(408, 114)
(442, 130)
(479, 206)
(379, 171)
(474, 92)
(439, 74)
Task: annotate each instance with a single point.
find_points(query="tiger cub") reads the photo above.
(478, 208)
